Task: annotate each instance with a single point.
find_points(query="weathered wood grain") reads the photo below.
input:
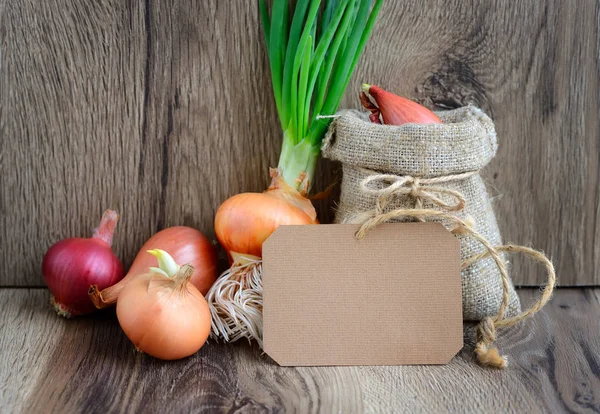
(88, 365)
(73, 115)
(161, 110)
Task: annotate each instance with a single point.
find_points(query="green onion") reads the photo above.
(312, 60)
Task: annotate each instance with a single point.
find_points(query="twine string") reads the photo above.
(390, 186)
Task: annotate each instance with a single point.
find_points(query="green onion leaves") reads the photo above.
(313, 57)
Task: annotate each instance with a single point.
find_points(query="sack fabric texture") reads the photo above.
(442, 160)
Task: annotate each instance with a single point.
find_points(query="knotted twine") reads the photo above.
(419, 188)
(425, 190)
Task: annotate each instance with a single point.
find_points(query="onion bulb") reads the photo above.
(162, 313)
(242, 224)
(71, 265)
(185, 244)
(244, 221)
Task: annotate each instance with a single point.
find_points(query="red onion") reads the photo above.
(72, 265)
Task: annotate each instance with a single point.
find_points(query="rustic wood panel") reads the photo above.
(73, 82)
(88, 365)
(161, 110)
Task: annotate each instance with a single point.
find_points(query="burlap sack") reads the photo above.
(426, 166)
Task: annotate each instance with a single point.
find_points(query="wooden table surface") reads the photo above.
(48, 364)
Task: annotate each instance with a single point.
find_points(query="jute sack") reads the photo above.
(435, 166)
(431, 173)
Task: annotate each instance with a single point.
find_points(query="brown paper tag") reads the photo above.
(393, 298)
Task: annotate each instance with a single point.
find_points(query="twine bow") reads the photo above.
(423, 189)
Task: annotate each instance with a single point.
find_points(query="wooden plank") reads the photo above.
(87, 364)
(73, 114)
(162, 110)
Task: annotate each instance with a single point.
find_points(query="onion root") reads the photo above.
(236, 301)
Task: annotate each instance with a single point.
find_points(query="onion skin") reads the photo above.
(166, 318)
(71, 265)
(396, 110)
(244, 221)
(184, 244)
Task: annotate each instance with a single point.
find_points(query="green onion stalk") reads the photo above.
(312, 51)
(313, 48)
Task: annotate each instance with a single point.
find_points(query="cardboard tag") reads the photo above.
(393, 298)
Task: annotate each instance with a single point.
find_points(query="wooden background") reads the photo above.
(163, 109)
